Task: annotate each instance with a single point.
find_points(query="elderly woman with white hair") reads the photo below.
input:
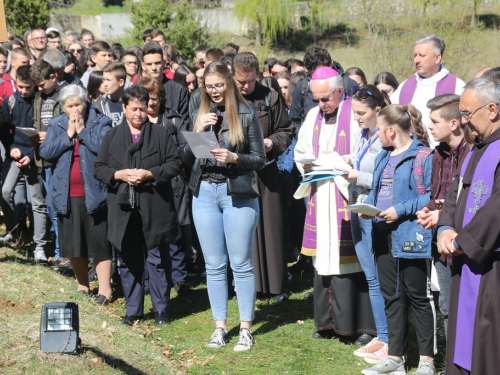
(71, 144)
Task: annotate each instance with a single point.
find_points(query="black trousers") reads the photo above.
(403, 281)
(134, 258)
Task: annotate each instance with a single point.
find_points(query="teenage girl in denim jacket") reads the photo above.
(402, 247)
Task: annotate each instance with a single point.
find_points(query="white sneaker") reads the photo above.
(245, 341)
(370, 348)
(7, 238)
(40, 256)
(218, 339)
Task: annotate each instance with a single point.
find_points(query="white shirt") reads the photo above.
(425, 91)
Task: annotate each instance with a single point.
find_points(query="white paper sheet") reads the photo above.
(305, 160)
(363, 208)
(28, 131)
(201, 143)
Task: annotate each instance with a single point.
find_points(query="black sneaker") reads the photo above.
(245, 341)
(182, 288)
(218, 339)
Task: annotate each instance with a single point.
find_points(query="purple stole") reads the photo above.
(445, 86)
(479, 192)
(342, 146)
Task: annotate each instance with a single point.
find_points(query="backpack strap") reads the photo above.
(418, 168)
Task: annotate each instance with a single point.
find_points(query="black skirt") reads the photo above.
(81, 234)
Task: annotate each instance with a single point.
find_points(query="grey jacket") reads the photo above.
(363, 184)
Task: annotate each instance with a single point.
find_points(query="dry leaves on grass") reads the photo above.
(300, 322)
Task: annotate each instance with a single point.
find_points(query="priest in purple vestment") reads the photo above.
(431, 79)
(469, 229)
(341, 300)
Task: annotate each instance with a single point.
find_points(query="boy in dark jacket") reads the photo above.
(114, 76)
(446, 128)
(45, 107)
(17, 111)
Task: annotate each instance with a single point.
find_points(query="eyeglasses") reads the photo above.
(468, 114)
(324, 100)
(362, 93)
(76, 50)
(215, 87)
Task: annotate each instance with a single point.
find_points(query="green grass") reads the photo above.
(89, 8)
(282, 332)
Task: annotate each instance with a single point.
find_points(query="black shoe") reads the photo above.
(309, 295)
(281, 297)
(116, 279)
(182, 288)
(92, 275)
(161, 318)
(326, 334)
(102, 300)
(363, 340)
(130, 319)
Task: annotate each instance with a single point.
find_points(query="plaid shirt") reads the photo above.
(448, 170)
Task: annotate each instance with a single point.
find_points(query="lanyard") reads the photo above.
(365, 149)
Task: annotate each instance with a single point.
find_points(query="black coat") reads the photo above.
(159, 156)
(175, 125)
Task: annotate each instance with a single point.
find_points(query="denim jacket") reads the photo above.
(58, 149)
(409, 240)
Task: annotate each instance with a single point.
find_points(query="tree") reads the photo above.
(186, 31)
(22, 15)
(150, 14)
(475, 6)
(321, 13)
(178, 20)
(271, 17)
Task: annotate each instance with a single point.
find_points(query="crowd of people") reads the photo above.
(94, 153)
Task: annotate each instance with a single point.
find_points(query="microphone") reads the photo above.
(213, 109)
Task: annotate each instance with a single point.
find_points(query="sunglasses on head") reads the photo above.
(362, 93)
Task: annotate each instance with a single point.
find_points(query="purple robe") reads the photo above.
(445, 86)
(342, 146)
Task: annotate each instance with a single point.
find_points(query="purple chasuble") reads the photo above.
(445, 86)
(342, 146)
(478, 194)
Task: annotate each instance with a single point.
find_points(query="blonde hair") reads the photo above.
(232, 97)
(407, 118)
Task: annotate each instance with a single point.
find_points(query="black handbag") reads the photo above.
(242, 184)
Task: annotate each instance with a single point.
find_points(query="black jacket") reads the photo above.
(175, 125)
(159, 156)
(194, 104)
(20, 116)
(177, 98)
(251, 155)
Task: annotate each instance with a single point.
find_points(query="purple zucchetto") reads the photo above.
(324, 72)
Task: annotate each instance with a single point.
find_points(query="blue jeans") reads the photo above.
(226, 226)
(362, 237)
(46, 175)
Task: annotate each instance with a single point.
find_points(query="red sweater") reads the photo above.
(8, 87)
(75, 176)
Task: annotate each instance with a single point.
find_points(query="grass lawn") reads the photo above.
(90, 8)
(282, 332)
